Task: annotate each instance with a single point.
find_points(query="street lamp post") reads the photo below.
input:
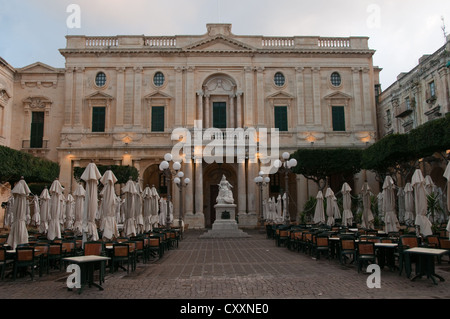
(285, 165)
(261, 182)
(177, 180)
(168, 173)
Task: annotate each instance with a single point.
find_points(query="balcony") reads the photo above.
(37, 149)
(403, 110)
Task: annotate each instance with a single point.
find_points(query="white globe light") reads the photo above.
(160, 167)
(266, 179)
(176, 180)
(277, 163)
(286, 155)
(256, 179)
(180, 174)
(164, 165)
(259, 179)
(187, 180)
(168, 157)
(261, 173)
(293, 162)
(176, 166)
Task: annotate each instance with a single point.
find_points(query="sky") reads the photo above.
(400, 31)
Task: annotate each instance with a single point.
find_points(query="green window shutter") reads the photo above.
(158, 119)
(219, 115)
(98, 119)
(281, 121)
(338, 116)
(37, 129)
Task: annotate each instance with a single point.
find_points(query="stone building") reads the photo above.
(119, 98)
(418, 96)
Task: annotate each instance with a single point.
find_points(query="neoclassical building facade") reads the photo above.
(119, 98)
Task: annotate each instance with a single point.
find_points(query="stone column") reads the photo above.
(137, 109)
(200, 106)
(317, 111)
(252, 172)
(367, 106)
(78, 112)
(232, 112)
(239, 115)
(309, 103)
(120, 96)
(188, 198)
(178, 112)
(242, 205)
(300, 96)
(198, 187)
(68, 103)
(260, 96)
(190, 97)
(357, 117)
(248, 105)
(207, 108)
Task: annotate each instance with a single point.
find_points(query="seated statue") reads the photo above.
(225, 194)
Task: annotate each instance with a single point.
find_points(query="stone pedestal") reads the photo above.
(225, 225)
(195, 221)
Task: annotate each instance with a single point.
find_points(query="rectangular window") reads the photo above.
(158, 119)
(220, 115)
(281, 120)
(407, 103)
(388, 117)
(98, 119)
(338, 116)
(37, 129)
(432, 89)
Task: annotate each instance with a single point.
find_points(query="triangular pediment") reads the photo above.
(38, 67)
(338, 95)
(280, 95)
(219, 43)
(157, 95)
(99, 96)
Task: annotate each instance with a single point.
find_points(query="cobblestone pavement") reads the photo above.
(248, 268)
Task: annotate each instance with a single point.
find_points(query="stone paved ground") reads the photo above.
(242, 269)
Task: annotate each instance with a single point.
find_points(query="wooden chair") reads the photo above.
(444, 243)
(365, 254)
(55, 255)
(347, 247)
(406, 242)
(24, 258)
(155, 247)
(93, 248)
(283, 237)
(4, 262)
(120, 256)
(133, 254)
(432, 241)
(41, 252)
(321, 245)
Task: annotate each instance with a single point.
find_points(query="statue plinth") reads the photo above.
(225, 225)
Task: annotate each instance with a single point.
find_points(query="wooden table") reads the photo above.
(87, 266)
(425, 263)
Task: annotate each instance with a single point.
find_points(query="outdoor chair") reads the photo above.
(133, 254)
(155, 246)
(406, 242)
(93, 248)
(282, 237)
(24, 258)
(321, 245)
(365, 254)
(444, 243)
(347, 247)
(41, 252)
(120, 256)
(432, 241)
(140, 249)
(55, 255)
(307, 242)
(4, 262)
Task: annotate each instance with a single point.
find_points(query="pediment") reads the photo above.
(219, 43)
(338, 96)
(38, 67)
(157, 95)
(281, 95)
(99, 96)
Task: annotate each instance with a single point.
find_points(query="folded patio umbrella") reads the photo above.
(19, 232)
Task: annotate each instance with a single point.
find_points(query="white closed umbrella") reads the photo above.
(401, 204)
(62, 216)
(284, 206)
(44, 210)
(331, 218)
(91, 175)
(367, 219)
(79, 195)
(447, 176)
(154, 206)
(347, 215)
(391, 223)
(420, 201)
(138, 206)
(319, 213)
(162, 211)
(147, 208)
(380, 205)
(109, 221)
(36, 220)
(278, 207)
(70, 211)
(54, 224)
(409, 204)
(19, 232)
(129, 226)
